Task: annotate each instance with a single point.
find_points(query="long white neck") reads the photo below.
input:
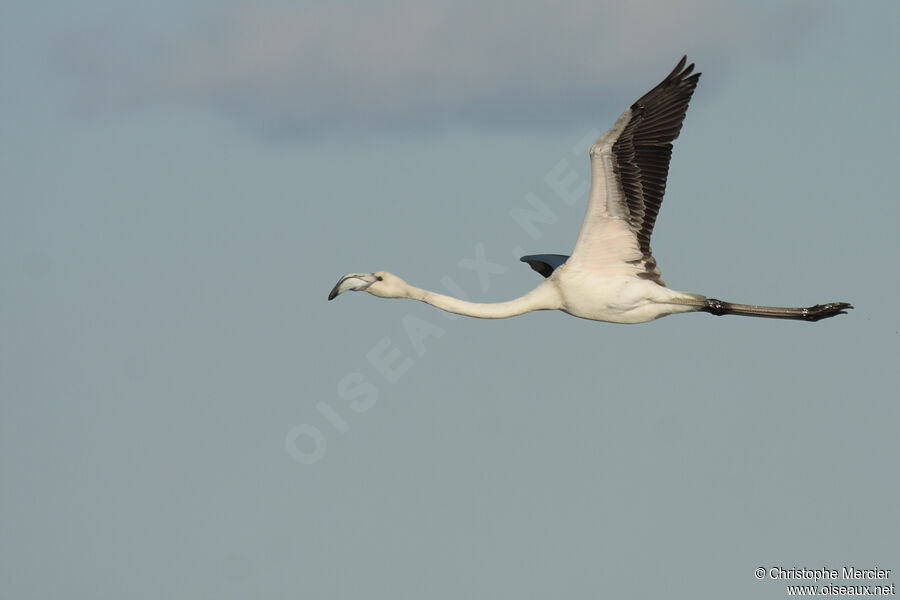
(543, 297)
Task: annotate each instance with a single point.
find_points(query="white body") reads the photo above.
(615, 298)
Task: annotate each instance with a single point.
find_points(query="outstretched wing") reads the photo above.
(629, 166)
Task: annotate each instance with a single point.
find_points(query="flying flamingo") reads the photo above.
(611, 275)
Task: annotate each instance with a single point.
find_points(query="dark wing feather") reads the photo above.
(642, 152)
(544, 264)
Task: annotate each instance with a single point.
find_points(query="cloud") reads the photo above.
(322, 66)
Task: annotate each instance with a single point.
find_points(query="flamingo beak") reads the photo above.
(356, 282)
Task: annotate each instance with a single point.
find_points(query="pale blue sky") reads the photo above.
(182, 183)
